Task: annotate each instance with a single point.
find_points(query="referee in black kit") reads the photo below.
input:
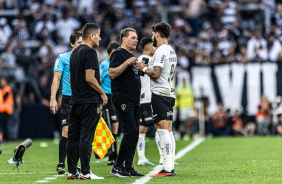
(126, 88)
(85, 100)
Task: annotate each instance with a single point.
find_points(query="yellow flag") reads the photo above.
(103, 139)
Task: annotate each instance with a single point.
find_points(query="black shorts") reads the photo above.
(109, 111)
(146, 115)
(162, 107)
(65, 110)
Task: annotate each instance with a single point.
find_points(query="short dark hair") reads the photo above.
(89, 28)
(125, 32)
(162, 28)
(112, 46)
(75, 36)
(145, 41)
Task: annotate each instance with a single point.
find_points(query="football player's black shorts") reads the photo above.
(162, 107)
(65, 110)
(146, 115)
(109, 111)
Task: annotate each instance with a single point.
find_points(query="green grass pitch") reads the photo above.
(218, 160)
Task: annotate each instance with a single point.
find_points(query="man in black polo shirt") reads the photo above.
(85, 100)
(126, 88)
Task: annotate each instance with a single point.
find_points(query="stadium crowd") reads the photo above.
(205, 32)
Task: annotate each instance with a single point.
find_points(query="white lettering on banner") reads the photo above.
(253, 87)
(269, 80)
(236, 93)
(231, 89)
(203, 85)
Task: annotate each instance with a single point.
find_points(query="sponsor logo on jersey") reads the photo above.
(64, 121)
(148, 119)
(57, 63)
(163, 59)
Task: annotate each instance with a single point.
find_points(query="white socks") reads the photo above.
(173, 148)
(166, 145)
(141, 147)
(158, 142)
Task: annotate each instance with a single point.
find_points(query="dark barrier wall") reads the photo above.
(35, 122)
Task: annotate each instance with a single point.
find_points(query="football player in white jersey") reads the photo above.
(145, 100)
(163, 94)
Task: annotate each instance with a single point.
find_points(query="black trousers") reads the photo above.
(129, 117)
(4, 120)
(82, 125)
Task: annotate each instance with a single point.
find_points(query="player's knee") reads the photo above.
(143, 129)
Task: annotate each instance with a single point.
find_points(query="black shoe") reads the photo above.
(61, 168)
(111, 162)
(173, 173)
(119, 171)
(132, 172)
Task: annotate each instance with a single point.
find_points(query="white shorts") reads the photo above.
(186, 113)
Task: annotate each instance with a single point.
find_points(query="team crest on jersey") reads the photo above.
(123, 106)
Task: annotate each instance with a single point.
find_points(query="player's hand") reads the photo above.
(53, 106)
(104, 99)
(141, 65)
(131, 61)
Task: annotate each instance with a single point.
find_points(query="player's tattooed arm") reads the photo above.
(154, 73)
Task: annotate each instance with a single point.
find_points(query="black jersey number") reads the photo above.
(171, 72)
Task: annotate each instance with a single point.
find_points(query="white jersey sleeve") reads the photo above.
(146, 93)
(164, 57)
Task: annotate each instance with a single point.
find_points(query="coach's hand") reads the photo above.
(53, 106)
(104, 99)
(131, 61)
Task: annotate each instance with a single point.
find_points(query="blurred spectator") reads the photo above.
(208, 29)
(192, 9)
(6, 108)
(20, 30)
(241, 126)
(8, 4)
(60, 48)
(263, 116)
(228, 13)
(242, 56)
(7, 58)
(66, 25)
(278, 17)
(183, 60)
(186, 107)
(273, 48)
(23, 54)
(204, 50)
(257, 47)
(5, 31)
(226, 47)
(220, 126)
(45, 27)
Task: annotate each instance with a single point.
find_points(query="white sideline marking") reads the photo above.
(180, 154)
(42, 181)
(29, 173)
(50, 178)
(101, 160)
